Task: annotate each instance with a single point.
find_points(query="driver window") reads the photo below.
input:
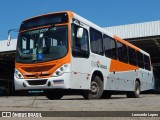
(80, 46)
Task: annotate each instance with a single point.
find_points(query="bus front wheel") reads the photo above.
(96, 89)
(54, 94)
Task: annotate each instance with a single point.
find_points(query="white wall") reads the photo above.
(4, 47)
(136, 30)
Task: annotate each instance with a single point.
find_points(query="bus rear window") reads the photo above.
(44, 20)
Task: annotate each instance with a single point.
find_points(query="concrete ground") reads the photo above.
(147, 102)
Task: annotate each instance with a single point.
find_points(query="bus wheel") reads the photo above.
(54, 94)
(96, 89)
(106, 95)
(136, 92)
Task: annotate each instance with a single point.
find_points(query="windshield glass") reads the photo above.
(42, 44)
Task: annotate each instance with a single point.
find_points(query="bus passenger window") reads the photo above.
(147, 63)
(109, 46)
(122, 52)
(132, 56)
(140, 60)
(96, 41)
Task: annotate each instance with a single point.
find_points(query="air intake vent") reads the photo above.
(37, 82)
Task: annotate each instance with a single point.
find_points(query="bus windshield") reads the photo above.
(43, 44)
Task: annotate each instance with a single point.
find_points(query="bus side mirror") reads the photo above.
(9, 40)
(79, 32)
(9, 36)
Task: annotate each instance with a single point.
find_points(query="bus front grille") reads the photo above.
(37, 82)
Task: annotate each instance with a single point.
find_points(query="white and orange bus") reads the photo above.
(62, 51)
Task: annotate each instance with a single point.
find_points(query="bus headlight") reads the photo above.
(18, 74)
(61, 70)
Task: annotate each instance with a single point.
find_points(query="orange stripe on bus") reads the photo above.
(117, 66)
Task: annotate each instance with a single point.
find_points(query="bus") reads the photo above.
(62, 51)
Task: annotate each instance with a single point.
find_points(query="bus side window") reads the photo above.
(122, 52)
(147, 63)
(132, 56)
(96, 41)
(109, 46)
(140, 60)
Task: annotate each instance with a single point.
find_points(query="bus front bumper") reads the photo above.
(60, 82)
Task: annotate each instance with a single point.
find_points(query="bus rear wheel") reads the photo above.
(54, 94)
(96, 89)
(136, 92)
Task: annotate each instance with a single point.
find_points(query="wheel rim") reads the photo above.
(94, 88)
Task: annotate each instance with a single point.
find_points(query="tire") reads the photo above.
(84, 94)
(96, 89)
(54, 94)
(106, 95)
(136, 92)
(21, 93)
